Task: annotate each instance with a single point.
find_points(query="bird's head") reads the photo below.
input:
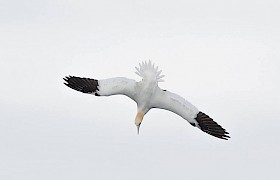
(138, 120)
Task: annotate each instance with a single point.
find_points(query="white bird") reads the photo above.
(147, 94)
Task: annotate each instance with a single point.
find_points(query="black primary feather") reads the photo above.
(209, 126)
(85, 85)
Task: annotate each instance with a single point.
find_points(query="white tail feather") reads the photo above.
(149, 71)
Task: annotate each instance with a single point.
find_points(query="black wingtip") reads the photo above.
(209, 126)
(85, 85)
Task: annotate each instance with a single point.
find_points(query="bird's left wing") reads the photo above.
(104, 87)
(175, 103)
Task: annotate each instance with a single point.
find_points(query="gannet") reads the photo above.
(147, 95)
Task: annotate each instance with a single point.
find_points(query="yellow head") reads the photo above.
(138, 120)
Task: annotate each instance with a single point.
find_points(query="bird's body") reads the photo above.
(147, 94)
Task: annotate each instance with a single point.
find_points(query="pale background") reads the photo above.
(223, 56)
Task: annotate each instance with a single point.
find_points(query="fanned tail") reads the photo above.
(149, 71)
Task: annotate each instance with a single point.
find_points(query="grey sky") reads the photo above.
(221, 56)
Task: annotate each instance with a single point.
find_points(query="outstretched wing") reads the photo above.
(104, 87)
(175, 103)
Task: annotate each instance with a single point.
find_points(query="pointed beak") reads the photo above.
(138, 128)
(138, 120)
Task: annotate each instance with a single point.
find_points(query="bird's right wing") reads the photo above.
(177, 104)
(104, 87)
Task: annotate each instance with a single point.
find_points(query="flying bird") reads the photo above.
(147, 94)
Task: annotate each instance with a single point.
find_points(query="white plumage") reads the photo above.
(147, 94)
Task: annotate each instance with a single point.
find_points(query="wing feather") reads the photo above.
(177, 104)
(104, 87)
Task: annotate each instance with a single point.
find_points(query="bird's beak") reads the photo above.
(138, 128)
(138, 120)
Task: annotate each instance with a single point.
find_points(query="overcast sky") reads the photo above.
(222, 56)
